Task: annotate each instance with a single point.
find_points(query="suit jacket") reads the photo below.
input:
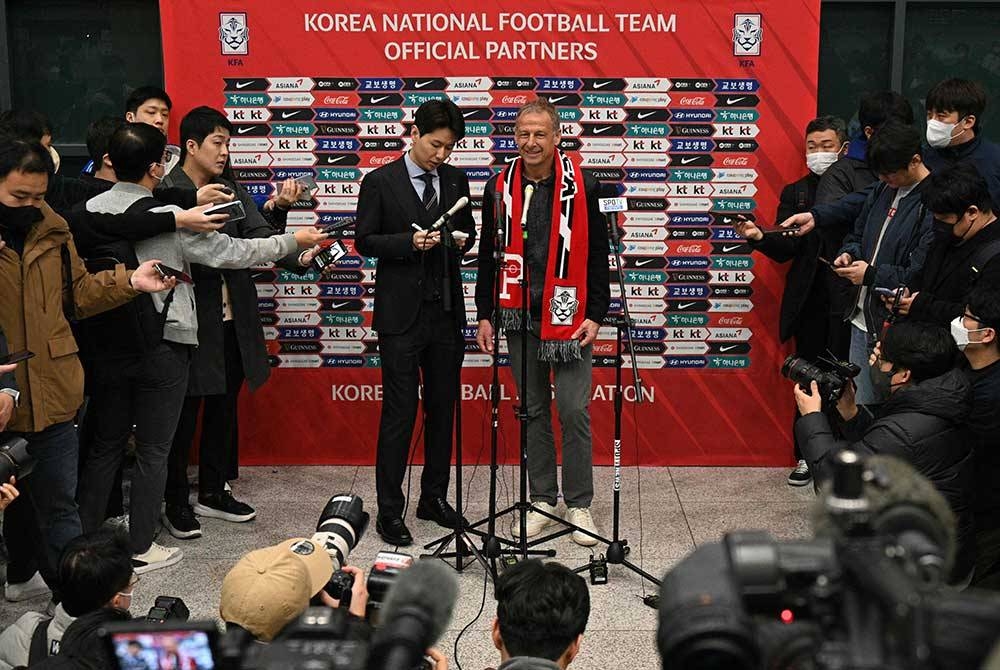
(387, 206)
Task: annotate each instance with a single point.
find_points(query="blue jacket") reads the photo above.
(903, 248)
(982, 153)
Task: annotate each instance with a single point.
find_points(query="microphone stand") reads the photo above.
(618, 548)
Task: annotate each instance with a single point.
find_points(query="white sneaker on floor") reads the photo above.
(156, 557)
(535, 522)
(32, 588)
(580, 516)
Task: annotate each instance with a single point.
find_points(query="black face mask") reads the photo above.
(882, 383)
(19, 218)
(942, 229)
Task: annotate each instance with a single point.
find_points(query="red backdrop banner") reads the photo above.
(694, 110)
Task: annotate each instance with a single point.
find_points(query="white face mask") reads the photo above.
(961, 333)
(819, 161)
(939, 133)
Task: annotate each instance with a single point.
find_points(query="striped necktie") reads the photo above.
(430, 199)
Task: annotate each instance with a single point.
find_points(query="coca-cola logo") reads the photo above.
(688, 249)
(695, 101)
(514, 99)
(731, 321)
(602, 348)
(736, 161)
(381, 160)
(336, 100)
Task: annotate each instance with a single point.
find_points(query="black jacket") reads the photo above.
(811, 290)
(849, 174)
(82, 648)
(923, 424)
(208, 361)
(984, 424)
(947, 276)
(598, 273)
(982, 153)
(387, 206)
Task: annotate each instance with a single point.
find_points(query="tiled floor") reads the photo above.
(681, 507)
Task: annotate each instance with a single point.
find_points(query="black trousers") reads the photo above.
(218, 452)
(431, 349)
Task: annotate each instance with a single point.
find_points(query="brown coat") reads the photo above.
(31, 315)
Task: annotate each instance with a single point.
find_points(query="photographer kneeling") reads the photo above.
(923, 421)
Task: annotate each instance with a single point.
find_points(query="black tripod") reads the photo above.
(618, 548)
(464, 547)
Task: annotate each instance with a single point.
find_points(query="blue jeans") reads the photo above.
(860, 351)
(51, 491)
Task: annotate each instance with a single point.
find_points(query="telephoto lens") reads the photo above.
(341, 526)
(15, 461)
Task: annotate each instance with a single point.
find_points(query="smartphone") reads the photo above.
(782, 232)
(308, 184)
(16, 357)
(885, 292)
(167, 271)
(234, 209)
(330, 254)
(824, 261)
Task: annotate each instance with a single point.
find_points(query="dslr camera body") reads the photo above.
(831, 376)
(15, 461)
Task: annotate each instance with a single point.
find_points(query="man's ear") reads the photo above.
(495, 634)
(572, 650)
(130, 117)
(106, 162)
(905, 376)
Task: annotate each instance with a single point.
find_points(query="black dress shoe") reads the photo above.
(393, 531)
(439, 511)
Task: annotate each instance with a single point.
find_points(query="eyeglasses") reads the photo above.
(131, 587)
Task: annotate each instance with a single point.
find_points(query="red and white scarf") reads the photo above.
(565, 291)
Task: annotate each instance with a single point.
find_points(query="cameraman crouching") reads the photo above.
(923, 421)
(269, 588)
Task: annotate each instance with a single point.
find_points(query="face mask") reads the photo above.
(819, 161)
(939, 133)
(55, 157)
(20, 218)
(961, 333)
(882, 383)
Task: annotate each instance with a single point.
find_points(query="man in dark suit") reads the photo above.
(419, 309)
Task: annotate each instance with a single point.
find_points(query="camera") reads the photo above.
(15, 461)
(339, 587)
(867, 591)
(341, 524)
(831, 376)
(167, 608)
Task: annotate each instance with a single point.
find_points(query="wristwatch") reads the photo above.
(16, 395)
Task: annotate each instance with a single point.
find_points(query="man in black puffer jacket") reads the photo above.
(922, 421)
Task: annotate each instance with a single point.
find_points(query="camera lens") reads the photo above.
(15, 461)
(341, 526)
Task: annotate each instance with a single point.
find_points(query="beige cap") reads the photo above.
(268, 588)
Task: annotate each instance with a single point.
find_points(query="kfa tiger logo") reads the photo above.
(747, 34)
(563, 305)
(234, 34)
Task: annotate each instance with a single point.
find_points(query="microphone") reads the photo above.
(529, 191)
(459, 204)
(610, 208)
(417, 611)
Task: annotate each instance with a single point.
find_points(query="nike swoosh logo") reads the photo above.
(421, 84)
(338, 305)
(603, 84)
(466, 115)
(243, 84)
(685, 161)
(243, 131)
(379, 99)
(557, 99)
(727, 220)
(644, 115)
(598, 131)
(467, 261)
(331, 159)
(733, 101)
(288, 115)
(685, 305)
(726, 248)
(644, 261)
(728, 347)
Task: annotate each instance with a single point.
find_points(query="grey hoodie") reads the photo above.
(181, 248)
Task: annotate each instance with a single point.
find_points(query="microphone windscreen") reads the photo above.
(427, 585)
(899, 499)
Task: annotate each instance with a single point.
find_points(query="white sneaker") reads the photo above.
(580, 516)
(156, 557)
(535, 522)
(32, 588)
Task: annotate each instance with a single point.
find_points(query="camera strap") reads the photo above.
(39, 649)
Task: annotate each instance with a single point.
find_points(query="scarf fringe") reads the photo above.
(553, 351)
